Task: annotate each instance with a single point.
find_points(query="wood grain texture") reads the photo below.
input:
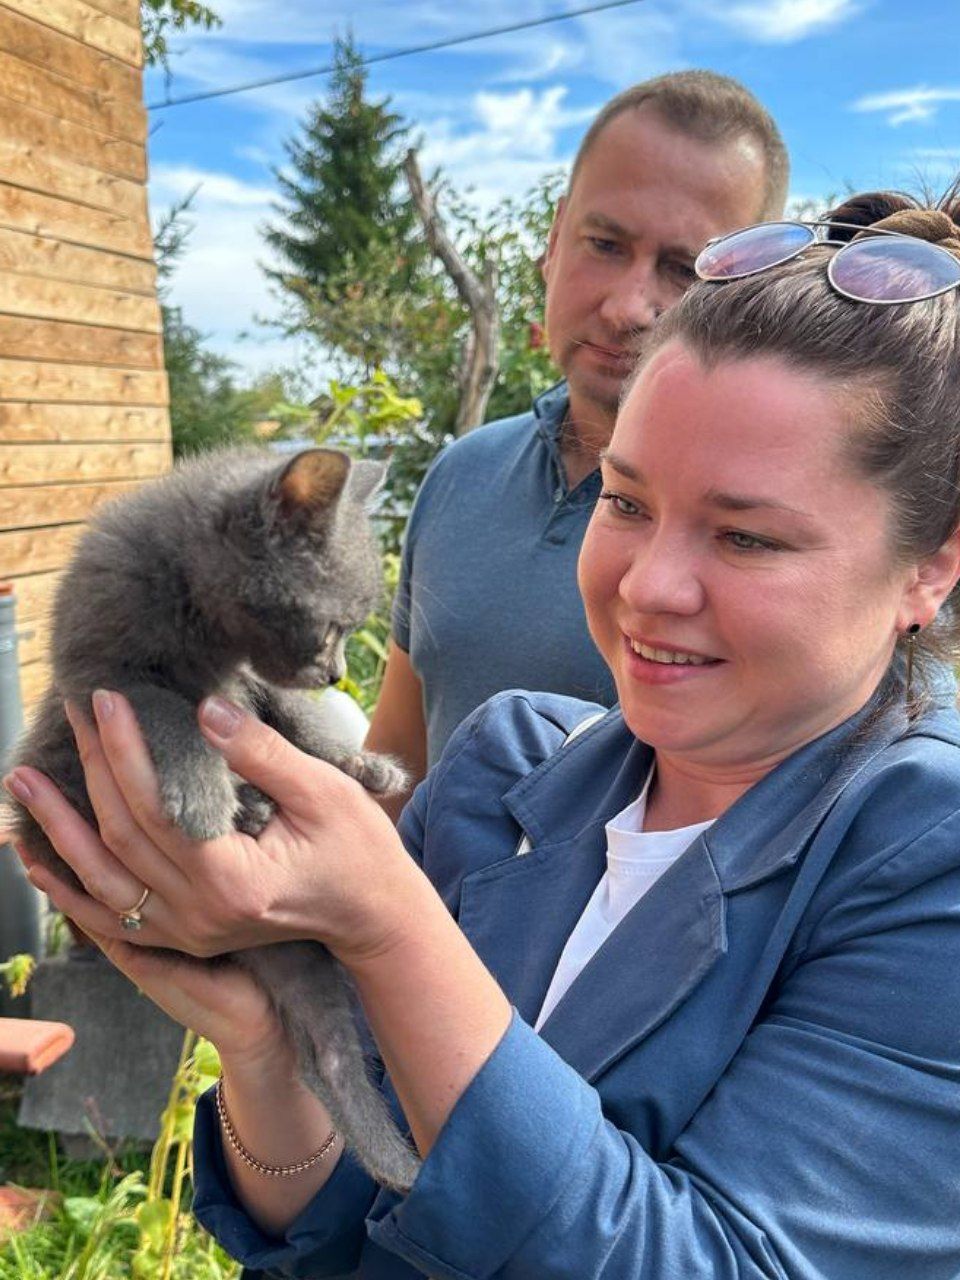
(80, 384)
(46, 299)
(90, 26)
(43, 47)
(67, 423)
(127, 11)
(36, 128)
(34, 550)
(34, 595)
(28, 339)
(30, 507)
(23, 165)
(34, 679)
(46, 90)
(34, 644)
(23, 253)
(61, 218)
(58, 464)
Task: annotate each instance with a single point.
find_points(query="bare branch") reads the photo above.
(480, 358)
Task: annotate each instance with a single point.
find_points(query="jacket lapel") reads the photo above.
(646, 968)
(520, 912)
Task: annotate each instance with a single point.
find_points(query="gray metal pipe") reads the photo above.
(20, 904)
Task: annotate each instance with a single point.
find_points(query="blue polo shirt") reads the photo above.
(488, 595)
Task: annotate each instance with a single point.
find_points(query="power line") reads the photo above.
(389, 57)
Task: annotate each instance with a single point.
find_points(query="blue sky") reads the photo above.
(866, 92)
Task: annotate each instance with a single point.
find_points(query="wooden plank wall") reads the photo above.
(83, 393)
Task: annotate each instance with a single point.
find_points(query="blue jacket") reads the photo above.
(758, 1074)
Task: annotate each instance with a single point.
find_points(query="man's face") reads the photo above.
(645, 201)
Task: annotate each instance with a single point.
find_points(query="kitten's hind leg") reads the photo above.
(197, 791)
(311, 995)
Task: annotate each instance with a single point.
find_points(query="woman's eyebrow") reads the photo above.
(713, 497)
(620, 465)
(749, 502)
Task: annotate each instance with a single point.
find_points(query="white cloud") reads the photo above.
(217, 280)
(903, 106)
(549, 58)
(784, 21)
(175, 181)
(508, 141)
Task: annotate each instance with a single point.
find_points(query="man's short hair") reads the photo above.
(709, 108)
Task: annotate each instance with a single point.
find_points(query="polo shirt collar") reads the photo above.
(549, 410)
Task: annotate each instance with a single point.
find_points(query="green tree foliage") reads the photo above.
(206, 408)
(344, 218)
(418, 327)
(357, 275)
(159, 17)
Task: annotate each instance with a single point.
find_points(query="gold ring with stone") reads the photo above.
(132, 920)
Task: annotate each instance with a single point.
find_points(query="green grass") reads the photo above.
(125, 1214)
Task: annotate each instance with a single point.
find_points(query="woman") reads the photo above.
(732, 905)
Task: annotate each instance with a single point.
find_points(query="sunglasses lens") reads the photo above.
(888, 269)
(754, 249)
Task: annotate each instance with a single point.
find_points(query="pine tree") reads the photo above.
(341, 205)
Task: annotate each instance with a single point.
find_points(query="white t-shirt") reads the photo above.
(635, 860)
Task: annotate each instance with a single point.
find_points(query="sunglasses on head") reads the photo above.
(883, 266)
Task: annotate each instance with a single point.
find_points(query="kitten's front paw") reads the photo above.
(377, 773)
(256, 809)
(202, 806)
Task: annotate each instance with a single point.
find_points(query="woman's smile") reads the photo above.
(656, 663)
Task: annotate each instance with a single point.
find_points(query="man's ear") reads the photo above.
(547, 258)
(934, 578)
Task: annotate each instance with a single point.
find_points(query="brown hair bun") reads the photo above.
(923, 224)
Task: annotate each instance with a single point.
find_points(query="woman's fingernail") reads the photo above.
(102, 704)
(18, 787)
(219, 717)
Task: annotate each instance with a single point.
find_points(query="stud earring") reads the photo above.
(912, 632)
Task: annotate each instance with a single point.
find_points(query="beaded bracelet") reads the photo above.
(269, 1170)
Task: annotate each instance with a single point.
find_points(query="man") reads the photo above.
(488, 596)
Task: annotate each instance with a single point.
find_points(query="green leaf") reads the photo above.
(206, 1060)
(154, 1218)
(82, 1212)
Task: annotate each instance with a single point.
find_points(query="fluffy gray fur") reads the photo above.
(239, 575)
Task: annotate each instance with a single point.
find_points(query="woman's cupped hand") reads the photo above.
(328, 866)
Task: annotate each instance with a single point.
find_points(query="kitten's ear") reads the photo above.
(366, 479)
(312, 482)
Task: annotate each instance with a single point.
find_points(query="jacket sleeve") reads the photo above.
(829, 1147)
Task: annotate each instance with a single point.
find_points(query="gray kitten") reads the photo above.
(240, 575)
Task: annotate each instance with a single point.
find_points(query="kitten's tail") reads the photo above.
(310, 993)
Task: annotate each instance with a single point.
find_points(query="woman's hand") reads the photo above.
(215, 998)
(328, 866)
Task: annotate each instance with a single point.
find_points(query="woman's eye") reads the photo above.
(621, 505)
(741, 541)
